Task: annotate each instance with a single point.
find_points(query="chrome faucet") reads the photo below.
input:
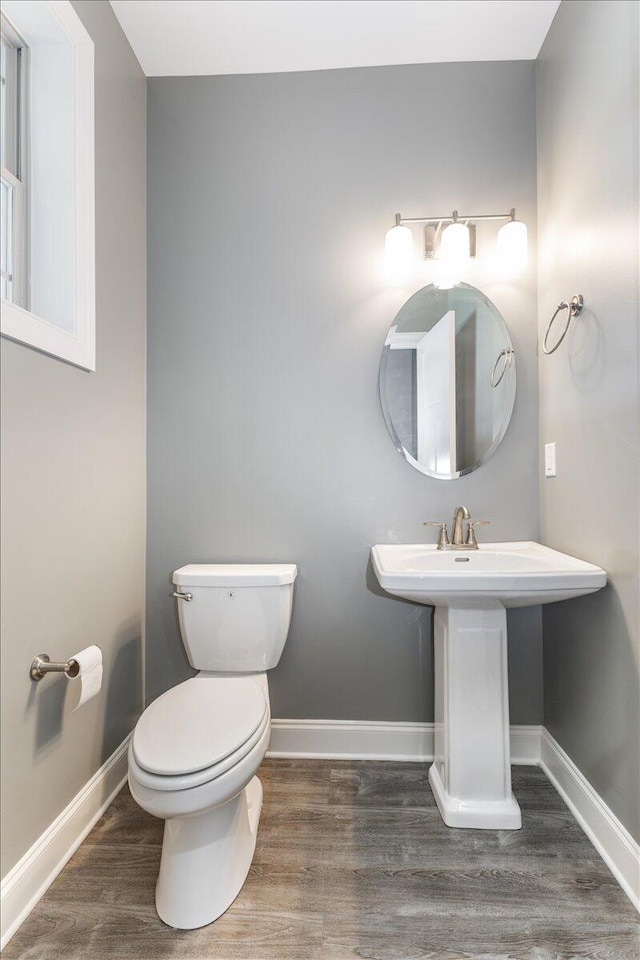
(458, 541)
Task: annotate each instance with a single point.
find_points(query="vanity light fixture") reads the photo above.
(511, 245)
(455, 250)
(398, 252)
(453, 241)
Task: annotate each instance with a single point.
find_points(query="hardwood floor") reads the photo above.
(352, 861)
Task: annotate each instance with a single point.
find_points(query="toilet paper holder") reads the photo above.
(43, 664)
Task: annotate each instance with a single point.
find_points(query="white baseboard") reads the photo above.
(525, 744)
(350, 740)
(613, 842)
(369, 740)
(26, 883)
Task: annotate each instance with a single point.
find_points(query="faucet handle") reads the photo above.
(471, 534)
(443, 536)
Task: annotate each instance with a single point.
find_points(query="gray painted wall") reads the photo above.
(269, 197)
(589, 402)
(73, 487)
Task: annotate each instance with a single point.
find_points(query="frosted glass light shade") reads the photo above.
(455, 250)
(455, 243)
(398, 253)
(511, 246)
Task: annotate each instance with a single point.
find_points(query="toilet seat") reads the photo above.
(197, 730)
(154, 781)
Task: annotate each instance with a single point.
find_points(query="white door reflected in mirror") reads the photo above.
(436, 397)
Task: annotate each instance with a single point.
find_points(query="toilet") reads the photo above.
(195, 750)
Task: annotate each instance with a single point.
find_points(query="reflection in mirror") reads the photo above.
(447, 380)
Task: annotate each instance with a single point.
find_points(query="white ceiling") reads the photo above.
(205, 37)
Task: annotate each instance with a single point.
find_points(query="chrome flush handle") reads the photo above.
(182, 596)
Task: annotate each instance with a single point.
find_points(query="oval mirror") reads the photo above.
(447, 380)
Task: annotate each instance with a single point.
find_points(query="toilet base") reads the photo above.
(206, 859)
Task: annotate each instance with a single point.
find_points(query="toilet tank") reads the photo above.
(238, 618)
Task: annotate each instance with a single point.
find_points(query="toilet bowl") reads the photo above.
(195, 750)
(211, 813)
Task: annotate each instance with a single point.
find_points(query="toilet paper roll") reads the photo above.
(88, 681)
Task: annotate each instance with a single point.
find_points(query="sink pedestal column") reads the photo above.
(471, 773)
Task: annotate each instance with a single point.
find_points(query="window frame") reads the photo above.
(16, 175)
(18, 322)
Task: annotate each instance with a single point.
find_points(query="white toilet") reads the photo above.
(195, 750)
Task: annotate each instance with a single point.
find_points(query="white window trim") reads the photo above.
(15, 175)
(17, 235)
(18, 324)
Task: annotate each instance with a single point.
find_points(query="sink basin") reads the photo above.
(516, 574)
(471, 774)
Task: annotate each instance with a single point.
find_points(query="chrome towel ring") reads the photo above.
(507, 353)
(575, 309)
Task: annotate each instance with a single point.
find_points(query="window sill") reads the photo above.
(27, 328)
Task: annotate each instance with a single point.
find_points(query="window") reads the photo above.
(47, 225)
(13, 163)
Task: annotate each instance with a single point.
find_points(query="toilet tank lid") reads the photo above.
(235, 574)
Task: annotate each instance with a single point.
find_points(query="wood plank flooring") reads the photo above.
(352, 861)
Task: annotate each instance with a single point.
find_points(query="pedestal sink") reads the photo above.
(471, 589)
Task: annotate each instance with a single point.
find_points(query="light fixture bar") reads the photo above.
(456, 216)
